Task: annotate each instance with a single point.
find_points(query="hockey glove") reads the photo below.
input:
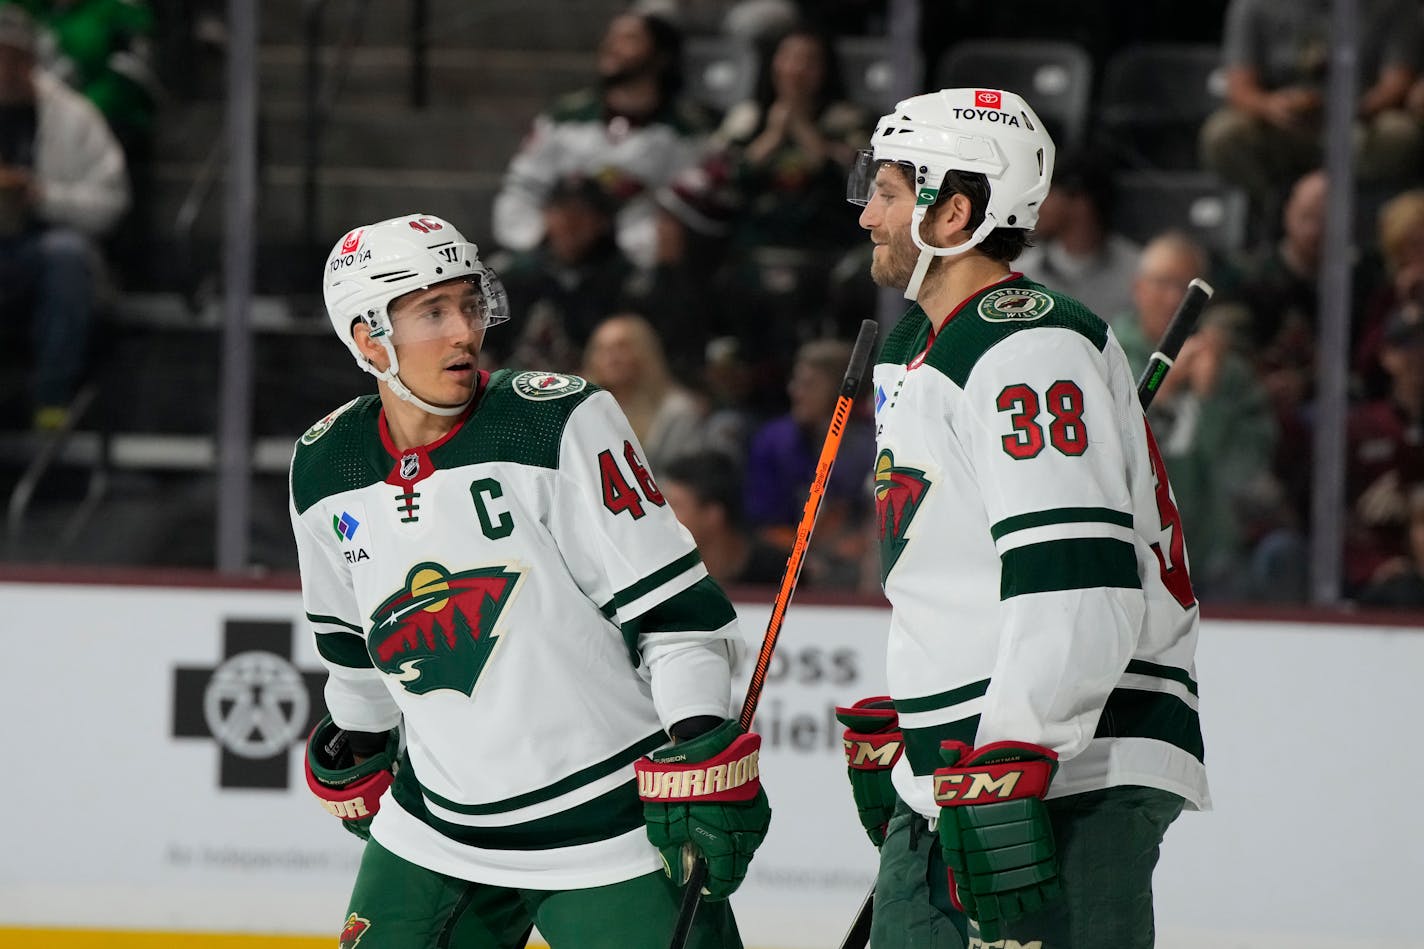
(346, 789)
(707, 793)
(873, 743)
(994, 830)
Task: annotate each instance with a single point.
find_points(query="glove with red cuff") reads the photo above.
(346, 789)
(995, 832)
(873, 743)
(704, 796)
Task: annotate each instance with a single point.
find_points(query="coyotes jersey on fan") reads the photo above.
(520, 598)
(1031, 550)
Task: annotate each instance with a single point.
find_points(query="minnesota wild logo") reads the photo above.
(440, 629)
(898, 493)
(1014, 304)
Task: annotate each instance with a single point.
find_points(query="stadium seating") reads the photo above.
(1149, 203)
(719, 72)
(867, 68)
(1056, 78)
(1154, 99)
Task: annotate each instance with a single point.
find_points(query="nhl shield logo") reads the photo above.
(409, 466)
(541, 386)
(1014, 304)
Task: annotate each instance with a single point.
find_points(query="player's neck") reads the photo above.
(411, 426)
(947, 287)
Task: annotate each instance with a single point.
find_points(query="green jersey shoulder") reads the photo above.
(990, 317)
(520, 418)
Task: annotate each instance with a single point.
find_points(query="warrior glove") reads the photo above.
(705, 795)
(873, 743)
(994, 830)
(346, 789)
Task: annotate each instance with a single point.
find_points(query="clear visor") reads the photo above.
(860, 183)
(448, 309)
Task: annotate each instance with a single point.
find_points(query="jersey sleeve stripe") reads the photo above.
(319, 620)
(344, 649)
(580, 778)
(1143, 667)
(1136, 713)
(1081, 564)
(922, 744)
(702, 607)
(1067, 531)
(656, 579)
(1062, 515)
(941, 700)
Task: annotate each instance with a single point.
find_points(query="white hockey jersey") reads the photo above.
(1031, 550)
(520, 598)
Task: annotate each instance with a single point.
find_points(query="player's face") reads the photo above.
(887, 217)
(437, 333)
(626, 47)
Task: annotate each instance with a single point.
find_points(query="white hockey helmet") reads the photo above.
(373, 265)
(989, 131)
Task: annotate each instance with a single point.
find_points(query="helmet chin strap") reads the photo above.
(928, 252)
(391, 377)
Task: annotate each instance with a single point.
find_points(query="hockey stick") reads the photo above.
(855, 371)
(1182, 325)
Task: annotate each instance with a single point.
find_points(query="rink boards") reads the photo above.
(145, 807)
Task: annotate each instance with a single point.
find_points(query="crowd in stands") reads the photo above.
(698, 260)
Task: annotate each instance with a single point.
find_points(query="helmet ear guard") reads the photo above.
(989, 131)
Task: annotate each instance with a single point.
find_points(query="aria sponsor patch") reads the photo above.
(324, 426)
(542, 386)
(1015, 304)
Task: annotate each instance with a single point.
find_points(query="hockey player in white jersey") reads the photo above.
(513, 623)
(1043, 706)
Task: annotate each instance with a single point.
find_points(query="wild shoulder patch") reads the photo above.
(542, 386)
(1014, 304)
(324, 426)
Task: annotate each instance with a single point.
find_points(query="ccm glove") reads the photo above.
(346, 789)
(994, 830)
(873, 743)
(706, 793)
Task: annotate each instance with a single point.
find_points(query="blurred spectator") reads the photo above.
(1076, 251)
(62, 183)
(791, 147)
(681, 294)
(625, 357)
(102, 48)
(1277, 291)
(1279, 284)
(1211, 418)
(705, 491)
(1401, 240)
(1399, 582)
(788, 151)
(575, 278)
(1386, 453)
(1277, 58)
(781, 464)
(632, 133)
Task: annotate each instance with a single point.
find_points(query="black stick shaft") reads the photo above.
(1182, 325)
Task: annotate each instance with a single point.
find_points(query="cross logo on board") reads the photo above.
(254, 703)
